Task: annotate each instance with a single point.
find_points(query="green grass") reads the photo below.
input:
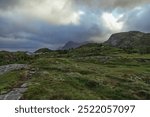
(14, 57)
(66, 78)
(10, 80)
(92, 71)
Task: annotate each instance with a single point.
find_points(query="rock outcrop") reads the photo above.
(17, 92)
(133, 40)
(11, 67)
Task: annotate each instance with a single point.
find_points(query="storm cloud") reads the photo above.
(111, 3)
(32, 24)
(138, 19)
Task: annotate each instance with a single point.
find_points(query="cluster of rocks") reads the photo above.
(11, 67)
(31, 72)
(17, 92)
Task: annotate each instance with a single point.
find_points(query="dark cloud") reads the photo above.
(22, 27)
(9, 4)
(138, 19)
(39, 33)
(109, 4)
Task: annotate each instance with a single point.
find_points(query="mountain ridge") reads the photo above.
(135, 41)
(73, 44)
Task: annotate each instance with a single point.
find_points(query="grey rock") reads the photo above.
(11, 67)
(3, 92)
(25, 85)
(32, 72)
(15, 94)
(132, 41)
(2, 97)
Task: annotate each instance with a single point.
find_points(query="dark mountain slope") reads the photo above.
(131, 41)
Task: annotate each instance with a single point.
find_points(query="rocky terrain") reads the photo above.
(134, 41)
(16, 92)
(10, 67)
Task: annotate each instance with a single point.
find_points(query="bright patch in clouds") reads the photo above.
(111, 22)
(57, 12)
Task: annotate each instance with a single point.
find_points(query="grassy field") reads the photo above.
(93, 71)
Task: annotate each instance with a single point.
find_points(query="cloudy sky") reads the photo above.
(32, 24)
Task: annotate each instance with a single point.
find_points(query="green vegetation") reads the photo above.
(10, 80)
(92, 71)
(14, 57)
(43, 50)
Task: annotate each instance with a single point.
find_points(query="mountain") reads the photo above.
(43, 50)
(70, 45)
(134, 41)
(73, 45)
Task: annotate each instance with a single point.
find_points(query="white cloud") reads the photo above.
(112, 22)
(52, 11)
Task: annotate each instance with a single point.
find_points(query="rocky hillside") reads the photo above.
(132, 41)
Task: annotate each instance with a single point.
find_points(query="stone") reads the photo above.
(15, 94)
(25, 85)
(11, 67)
(3, 92)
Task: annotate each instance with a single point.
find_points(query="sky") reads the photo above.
(27, 25)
